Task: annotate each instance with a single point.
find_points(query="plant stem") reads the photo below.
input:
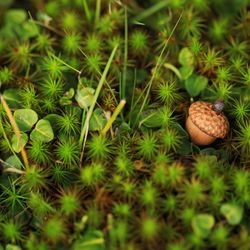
(99, 73)
(97, 11)
(133, 96)
(45, 25)
(158, 65)
(16, 130)
(174, 69)
(150, 11)
(67, 65)
(84, 130)
(14, 170)
(124, 76)
(86, 9)
(113, 117)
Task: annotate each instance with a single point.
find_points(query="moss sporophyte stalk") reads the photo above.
(124, 125)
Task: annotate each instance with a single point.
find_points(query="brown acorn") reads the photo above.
(206, 122)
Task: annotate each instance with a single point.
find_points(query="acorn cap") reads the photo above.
(209, 121)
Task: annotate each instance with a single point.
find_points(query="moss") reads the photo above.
(136, 181)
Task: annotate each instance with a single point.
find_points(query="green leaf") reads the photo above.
(195, 149)
(13, 161)
(43, 17)
(151, 119)
(195, 84)
(97, 120)
(66, 98)
(43, 132)
(174, 69)
(7, 31)
(15, 142)
(13, 98)
(185, 147)
(186, 57)
(70, 93)
(25, 119)
(186, 71)
(12, 247)
(202, 224)
(124, 128)
(85, 97)
(92, 240)
(232, 212)
(30, 29)
(64, 101)
(16, 16)
(53, 119)
(181, 131)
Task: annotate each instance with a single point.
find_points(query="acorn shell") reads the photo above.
(207, 120)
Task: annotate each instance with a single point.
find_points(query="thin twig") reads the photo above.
(113, 117)
(45, 26)
(11, 169)
(16, 130)
(14, 170)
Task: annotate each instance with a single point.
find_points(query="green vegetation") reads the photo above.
(94, 154)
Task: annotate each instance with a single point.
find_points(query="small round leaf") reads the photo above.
(25, 119)
(151, 119)
(43, 132)
(18, 146)
(85, 97)
(12, 97)
(30, 29)
(195, 84)
(186, 71)
(202, 224)
(12, 247)
(16, 16)
(97, 120)
(53, 119)
(186, 57)
(232, 212)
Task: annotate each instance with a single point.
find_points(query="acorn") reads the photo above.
(206, 122)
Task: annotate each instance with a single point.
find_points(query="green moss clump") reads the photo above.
(94, 153)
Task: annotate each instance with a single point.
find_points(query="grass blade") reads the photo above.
(84, 130)
(86, 10)
(113, 117)
(97, 11)
(158, 65)
(150, 11)
(124, 75)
